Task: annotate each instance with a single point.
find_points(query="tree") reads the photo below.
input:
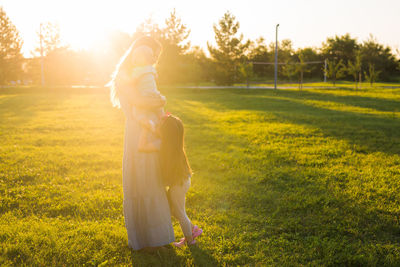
(198, 67)
(172, 65)
(311, 54)
(10, 50)
(289, 70)
(246, 71)
(49, 35)
(53, 52)
(340, 48)
(230, 50)
(301, 68)
(149, 27)
(173, 38)
(354, 68)
(335, 70)
(259, 52)
(372, 74)
(380, 56)
(285, 50)
(62, 65)
(285, 54)
(297, 68)
(176, 33)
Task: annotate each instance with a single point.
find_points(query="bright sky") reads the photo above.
(305, 22)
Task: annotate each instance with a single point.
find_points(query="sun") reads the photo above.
(89, 23)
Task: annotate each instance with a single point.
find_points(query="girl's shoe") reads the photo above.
(196, 231)
(181, 243)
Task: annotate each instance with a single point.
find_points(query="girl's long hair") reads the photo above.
(175, 166)
(127, 61)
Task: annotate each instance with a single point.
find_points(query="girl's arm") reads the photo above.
(144, 144)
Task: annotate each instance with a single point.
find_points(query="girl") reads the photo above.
(175, 170)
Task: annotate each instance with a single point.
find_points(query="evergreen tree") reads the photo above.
(230, 50)
(10, 50)
(176, 33)
(172, 63)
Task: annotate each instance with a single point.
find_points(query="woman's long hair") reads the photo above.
(132, 58)
(174, 164)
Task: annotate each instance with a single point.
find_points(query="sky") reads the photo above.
(86, 23)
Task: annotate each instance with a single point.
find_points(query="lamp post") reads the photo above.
(41, 54)
(276, 54)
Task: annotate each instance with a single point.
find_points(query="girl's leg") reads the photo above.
(176, 196)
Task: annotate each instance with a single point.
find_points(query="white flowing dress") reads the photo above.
(146, 210)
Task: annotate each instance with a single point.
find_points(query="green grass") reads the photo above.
(329, 84)
(281, 178)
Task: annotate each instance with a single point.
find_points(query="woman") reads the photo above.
(133, 88)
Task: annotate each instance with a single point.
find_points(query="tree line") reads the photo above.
(230, 60)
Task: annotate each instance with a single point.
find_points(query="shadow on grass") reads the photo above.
(201, 257)
(380, 104)
(367, 132)
(165, 256)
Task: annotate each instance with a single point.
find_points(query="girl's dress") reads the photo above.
(146, 210)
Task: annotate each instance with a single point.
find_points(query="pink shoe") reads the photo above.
(181, 243)
(196, 231)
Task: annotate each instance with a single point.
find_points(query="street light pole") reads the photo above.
(276, 54)
(41, 54)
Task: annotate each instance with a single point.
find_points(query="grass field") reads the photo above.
(281, 178)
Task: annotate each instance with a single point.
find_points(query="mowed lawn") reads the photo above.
(280, 178)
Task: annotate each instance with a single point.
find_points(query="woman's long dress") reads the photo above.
(146, 209)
